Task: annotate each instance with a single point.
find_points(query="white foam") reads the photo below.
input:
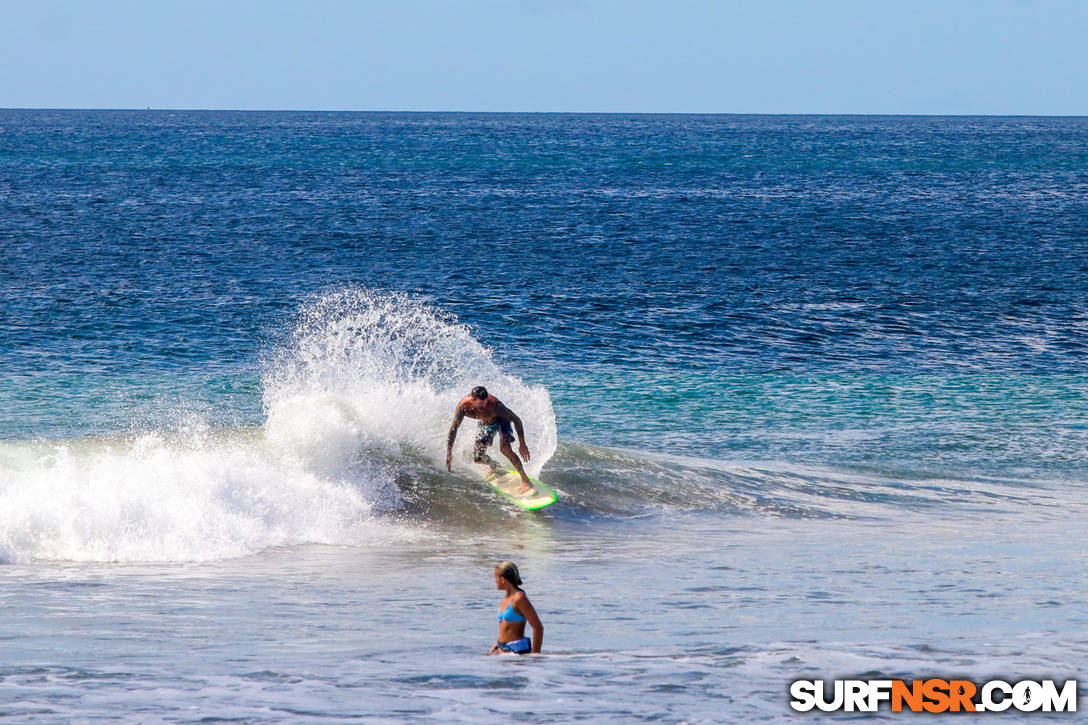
(149, 498)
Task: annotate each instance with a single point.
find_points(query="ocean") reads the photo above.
(812, 391)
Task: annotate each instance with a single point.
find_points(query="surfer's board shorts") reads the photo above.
(486, 432)
(519, 646)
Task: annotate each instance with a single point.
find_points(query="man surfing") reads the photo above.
(494, 418)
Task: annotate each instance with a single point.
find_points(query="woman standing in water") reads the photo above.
(514, 612)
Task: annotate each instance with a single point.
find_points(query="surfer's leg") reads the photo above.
(484, 436)
(480, 456)
(508, 451)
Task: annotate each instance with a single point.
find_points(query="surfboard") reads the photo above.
(507, 482)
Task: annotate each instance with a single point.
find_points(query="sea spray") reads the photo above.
(385, 371)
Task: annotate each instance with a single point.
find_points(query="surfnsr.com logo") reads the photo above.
(934, 695)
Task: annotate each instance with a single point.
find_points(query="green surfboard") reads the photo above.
(507, 482)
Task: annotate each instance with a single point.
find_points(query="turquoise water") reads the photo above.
(811, 390)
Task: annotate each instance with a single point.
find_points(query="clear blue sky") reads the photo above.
(758, 56)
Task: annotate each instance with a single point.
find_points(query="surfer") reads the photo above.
(494, 417)
(514, 611)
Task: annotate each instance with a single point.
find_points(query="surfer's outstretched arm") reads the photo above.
(458, 416)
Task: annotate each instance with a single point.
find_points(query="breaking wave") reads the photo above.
(357, 401)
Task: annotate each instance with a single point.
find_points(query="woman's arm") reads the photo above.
(524, 607)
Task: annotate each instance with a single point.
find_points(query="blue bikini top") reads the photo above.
(509, 615)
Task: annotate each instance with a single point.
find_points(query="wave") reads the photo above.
(226, 493)
(357, 405)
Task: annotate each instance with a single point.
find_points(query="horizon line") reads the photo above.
(542, 113)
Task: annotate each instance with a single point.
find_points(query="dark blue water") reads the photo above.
(743, 286)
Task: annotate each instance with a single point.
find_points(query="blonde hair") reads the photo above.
(508, 570)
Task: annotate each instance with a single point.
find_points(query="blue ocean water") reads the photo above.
(752, 346)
